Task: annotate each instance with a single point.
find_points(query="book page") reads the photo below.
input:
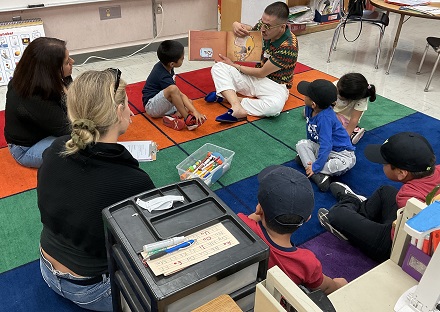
(206, 45)
(245, 49)
(141, 150)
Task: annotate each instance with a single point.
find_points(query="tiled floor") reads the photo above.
(401, 85)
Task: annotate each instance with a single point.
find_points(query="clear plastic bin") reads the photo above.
(199, 155)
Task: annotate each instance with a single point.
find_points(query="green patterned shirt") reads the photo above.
(283, 53)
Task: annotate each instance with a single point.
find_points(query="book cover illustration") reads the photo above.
(207, 45)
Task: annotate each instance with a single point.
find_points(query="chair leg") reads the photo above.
(337, 36)
(334, 41)
(382, 30)
(423, 59)
(432, 73)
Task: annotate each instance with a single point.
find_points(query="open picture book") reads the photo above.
(206, 45)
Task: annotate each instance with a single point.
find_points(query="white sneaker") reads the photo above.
(357, 134)
(339, 189)
(323, 219)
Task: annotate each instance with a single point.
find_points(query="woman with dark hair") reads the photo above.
(35, 112)
(82, 174)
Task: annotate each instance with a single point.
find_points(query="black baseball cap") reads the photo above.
(284, 191)
(323, 92)
(406, 150)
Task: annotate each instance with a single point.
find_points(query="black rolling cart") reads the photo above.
(234, 271)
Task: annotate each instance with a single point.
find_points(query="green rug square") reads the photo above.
(383, 111)
(288, 128)
(254, 150)
(20, 229)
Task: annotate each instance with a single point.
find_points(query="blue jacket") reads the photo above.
(326, 130)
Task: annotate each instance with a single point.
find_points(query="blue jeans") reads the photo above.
(96, 297)
(30, 156)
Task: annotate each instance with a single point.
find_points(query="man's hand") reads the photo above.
(240, 30)
(309, 171)
(226, 60)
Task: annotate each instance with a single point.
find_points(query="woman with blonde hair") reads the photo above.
(82, 174)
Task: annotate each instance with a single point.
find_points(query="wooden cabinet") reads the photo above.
(250, 11)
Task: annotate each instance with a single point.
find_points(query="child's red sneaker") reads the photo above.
(191, 122)
(173, 122)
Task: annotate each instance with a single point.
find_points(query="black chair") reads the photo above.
(379, 19)
(434, 42)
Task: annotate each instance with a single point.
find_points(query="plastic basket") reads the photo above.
(199, 155)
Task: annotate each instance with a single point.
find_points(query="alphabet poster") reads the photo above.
(15, 36)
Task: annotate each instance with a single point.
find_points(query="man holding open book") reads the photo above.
(269, 81)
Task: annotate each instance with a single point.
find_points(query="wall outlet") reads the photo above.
(110, 12)
(158, 7)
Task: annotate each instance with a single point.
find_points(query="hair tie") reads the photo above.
(369, 87)
(84, 124)
(81, 124)
(77, 140)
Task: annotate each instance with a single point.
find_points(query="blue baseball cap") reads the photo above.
(285, 191)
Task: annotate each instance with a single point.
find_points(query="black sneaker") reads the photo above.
(339, 189)
(322, 181)
(323, 219)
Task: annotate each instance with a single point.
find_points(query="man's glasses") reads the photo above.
(117, 74)
(267, 26)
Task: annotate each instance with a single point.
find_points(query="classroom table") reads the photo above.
(381, 4)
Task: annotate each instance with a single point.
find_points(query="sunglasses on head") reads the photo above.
(117, 74)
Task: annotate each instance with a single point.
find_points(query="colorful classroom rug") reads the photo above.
(257, 143)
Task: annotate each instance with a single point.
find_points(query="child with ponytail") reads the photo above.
(354, 93)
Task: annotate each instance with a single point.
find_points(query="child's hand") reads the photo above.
(309, 171)
(340, 281)
(200, 117)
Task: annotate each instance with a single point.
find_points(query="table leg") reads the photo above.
(396, 39)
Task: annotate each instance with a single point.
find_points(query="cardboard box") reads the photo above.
(326, 18)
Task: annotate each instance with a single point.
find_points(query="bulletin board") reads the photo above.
(14, 38)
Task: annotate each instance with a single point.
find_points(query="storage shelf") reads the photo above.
(231, 11)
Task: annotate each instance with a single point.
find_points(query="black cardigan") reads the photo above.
(72, 191)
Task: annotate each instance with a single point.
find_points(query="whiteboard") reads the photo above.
(15, 5)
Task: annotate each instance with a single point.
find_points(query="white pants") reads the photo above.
(337, 163)
(270, 96)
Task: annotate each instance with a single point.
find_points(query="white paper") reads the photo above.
(427, 9)
(159, 203)
(141, 150)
